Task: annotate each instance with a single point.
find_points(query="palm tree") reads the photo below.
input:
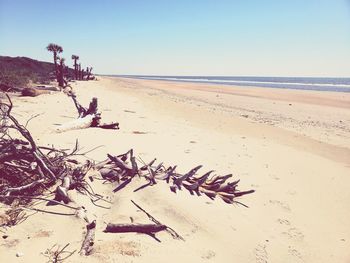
(55, 49)
(75, 58)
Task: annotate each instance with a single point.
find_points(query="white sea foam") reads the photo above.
(253, 83)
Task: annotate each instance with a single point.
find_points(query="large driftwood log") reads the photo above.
(149, 229)
(80, 123)
(33, 92)
(88, 242)
(88, 117)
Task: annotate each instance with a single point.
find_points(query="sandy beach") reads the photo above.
(291, 146)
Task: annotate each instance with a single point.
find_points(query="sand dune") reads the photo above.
(292, 147)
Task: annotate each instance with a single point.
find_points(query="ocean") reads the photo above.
(299, 83)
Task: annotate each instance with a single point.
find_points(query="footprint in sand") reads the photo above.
(294, 233)
(295, 254)
(261, 254)
(281, 204)
(283, 221)
(208, 254)
(275, 177)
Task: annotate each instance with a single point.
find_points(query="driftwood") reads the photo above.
(47, 88)
(62, 190)
(58, 254)
(41, 160)
(27, 170)
(171, 231)
(33, 92)
(149, 229)
(89, 75)
(80, 123)
(87, 117)
(11, 190)
(123, 168)
(88, 242)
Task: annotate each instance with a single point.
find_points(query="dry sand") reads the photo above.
(292, 147)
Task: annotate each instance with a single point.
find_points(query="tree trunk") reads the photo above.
(56, 66)
(60, 77)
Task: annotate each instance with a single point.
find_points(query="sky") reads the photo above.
(185, 37)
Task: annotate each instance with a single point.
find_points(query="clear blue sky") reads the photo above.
(185, 37)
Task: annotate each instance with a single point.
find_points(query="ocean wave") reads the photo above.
(249, 82)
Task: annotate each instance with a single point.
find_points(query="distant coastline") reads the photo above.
(299, 83)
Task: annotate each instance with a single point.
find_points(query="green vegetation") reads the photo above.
(17, 72)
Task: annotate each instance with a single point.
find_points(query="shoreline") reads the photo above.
(226, 81)
(301, 181)
(292, 130)
(329, 98)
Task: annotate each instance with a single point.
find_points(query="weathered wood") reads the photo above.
(80, 123)
(178, 181)
(62, 190)
(171, 231)
(109, 126)
(26, 134)
(138, 228)
(120, 164)
(88, 117)
(33, 92)
(88, 242)
(11, 190)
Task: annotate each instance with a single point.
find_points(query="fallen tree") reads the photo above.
(87, 117)
(123, 168)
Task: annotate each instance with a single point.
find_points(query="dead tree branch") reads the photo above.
(88, 242)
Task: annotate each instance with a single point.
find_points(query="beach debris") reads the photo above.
(88, 242)
(171, 231)
(33, 92)
(87, 117)
(123, 168)
(89, 76)
(56, 254)
(47, 88)
(27, 170)
(148, 229)
(30, 172)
